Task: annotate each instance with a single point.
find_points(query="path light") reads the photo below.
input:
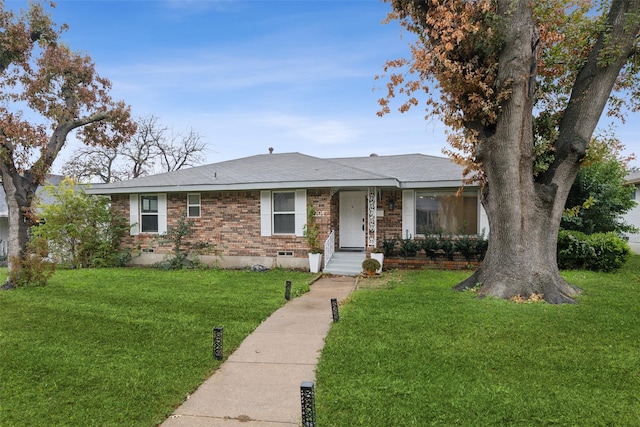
(217, 342)
(308, 400)
(334, 310)
(287, 290)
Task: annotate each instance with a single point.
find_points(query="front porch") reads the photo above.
(356, 215)
(345, 263)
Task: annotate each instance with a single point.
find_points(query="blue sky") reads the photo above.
(294, 75)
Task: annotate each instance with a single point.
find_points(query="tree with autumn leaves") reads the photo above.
(48, 91)
(522, 86)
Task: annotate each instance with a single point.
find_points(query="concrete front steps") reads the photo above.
(345, 263)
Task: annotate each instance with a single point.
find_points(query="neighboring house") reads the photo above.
(633, 216)
(253, 210)
(4, 209)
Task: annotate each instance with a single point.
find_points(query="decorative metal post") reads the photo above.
(334, 310)
(217, 342)
(308, 398)
(287, 290)
(372, 220)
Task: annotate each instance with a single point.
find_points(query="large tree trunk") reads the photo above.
(524, 212)
(20, 192)
(521, 259)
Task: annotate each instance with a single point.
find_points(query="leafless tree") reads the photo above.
(154, 148)
(181, 151)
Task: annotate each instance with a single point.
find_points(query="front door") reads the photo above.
(353, 209)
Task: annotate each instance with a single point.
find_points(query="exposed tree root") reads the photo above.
(553, 288)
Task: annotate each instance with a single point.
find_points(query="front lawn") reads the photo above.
(415, 353)
(123, 347)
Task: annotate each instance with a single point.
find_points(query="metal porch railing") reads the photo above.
(329, 247)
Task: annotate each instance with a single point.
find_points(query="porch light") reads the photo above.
(392, 203)
(308, 401)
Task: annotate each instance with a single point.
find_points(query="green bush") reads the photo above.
(430, 245)
(597, 252)
(611, 252)
(469, 247)
(33, 269)
(409, 248)
(448, 246)
(81, 229)
(370, 264)
(389, 246)
(185, 252)
(573, 250)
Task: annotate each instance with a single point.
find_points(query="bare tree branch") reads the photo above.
(149, 150)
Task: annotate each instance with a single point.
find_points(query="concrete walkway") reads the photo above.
(259, 384)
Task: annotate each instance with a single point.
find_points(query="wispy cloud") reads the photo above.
(225, 73)
(197, 6)
(306, 129)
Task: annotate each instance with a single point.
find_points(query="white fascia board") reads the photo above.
(434, 184)
(387, 182)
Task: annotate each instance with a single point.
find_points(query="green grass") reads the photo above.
(416, 353)
(123, 347)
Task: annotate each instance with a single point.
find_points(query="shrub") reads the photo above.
(184, 252)
(311, 231)
(389, 246)
(597, 252)
(430, 245)
(467, 246)
(409, 248)
(611, 252)
(370, 264)
(448, 246)
(34, 269)
(573, 249)
(81, 229)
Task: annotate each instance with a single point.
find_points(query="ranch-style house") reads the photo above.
(253, 210)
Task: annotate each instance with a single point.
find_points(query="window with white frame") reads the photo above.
(446, 212)
(193, 205)
(291, 208)
(149, 213)
(284, 212)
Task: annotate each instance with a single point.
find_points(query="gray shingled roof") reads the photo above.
(408, 168)
(44, 196)
(295, 170)
(633, 177)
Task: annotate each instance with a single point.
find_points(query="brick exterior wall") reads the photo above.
(230, 223)
(390, 225)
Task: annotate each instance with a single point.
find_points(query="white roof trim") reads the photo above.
(433, 184)
(388, 182)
